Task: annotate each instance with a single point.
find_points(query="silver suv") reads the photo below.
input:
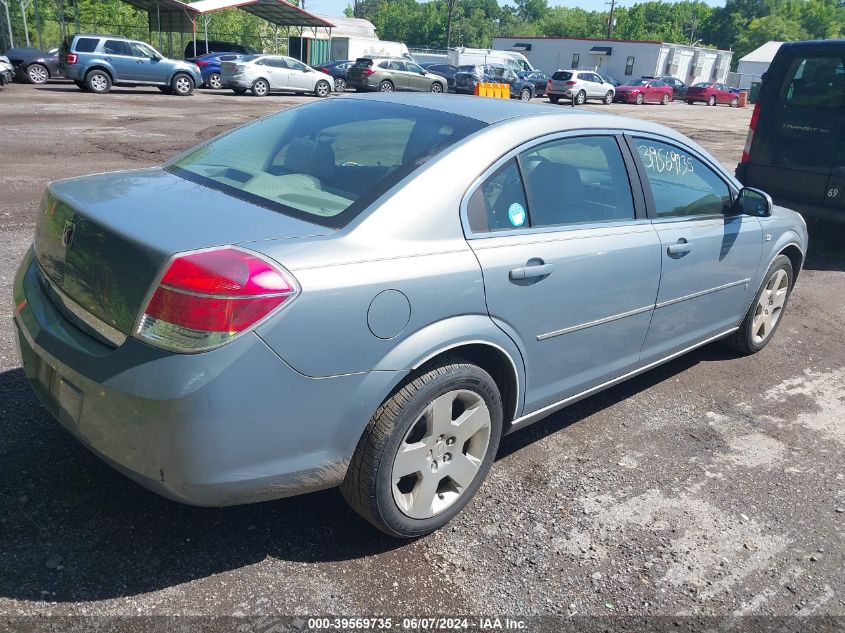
(390, 74)
(578, 86)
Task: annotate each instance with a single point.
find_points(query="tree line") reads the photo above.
(741, 25)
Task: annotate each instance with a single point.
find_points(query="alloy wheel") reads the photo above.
(441, 454)
(770, 306)
(640, 99)
(436, 87)
(183, 85)
(339, 84)
(99, 83)
(385, 86)
(608, 98)
(214, 81)
(260, 88)
(322, 89)
(580, 98)
(711, 101)
(37, 74)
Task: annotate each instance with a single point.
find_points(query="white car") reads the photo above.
(263, 74)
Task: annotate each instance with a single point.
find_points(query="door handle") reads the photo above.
(531, 271)
(681, 247)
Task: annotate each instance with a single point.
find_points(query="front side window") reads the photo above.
(294, 64)
(140, 50)
(412, 68)
(681, 184)
(324, 163)
(629, 66)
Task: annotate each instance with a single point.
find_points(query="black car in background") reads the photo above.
(678, 86)
(34, 65)
(338, 69)
(468, 77)
(795, 149)
(613, 81)
(447, 71)
(215, 46)
(536, 77)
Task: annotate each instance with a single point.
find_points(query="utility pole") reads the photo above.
(450, 6)
(692, 30)
(612, 4)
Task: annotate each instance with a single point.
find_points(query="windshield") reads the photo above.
(325, 162)
(702, 84)
(636, 82)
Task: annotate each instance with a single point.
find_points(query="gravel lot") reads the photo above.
(714, 485)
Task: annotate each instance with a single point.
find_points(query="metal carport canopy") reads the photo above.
(274, 11)
(169, 16)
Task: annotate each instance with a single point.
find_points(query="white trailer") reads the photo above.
(355, 47)
(622, 59)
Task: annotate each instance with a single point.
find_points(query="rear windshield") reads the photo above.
(562, 75)
(86, 45)
(326, 162)
(815, 82)
(364, 62)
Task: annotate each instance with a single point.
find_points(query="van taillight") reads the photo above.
(206, 298)
(71, 58)
(752, 128)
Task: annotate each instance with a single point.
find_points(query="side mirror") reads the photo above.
(423, 73)
(156, 57)
(754, 202)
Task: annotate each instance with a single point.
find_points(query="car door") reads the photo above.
(416, 79)
(300, 76)
(597, 89)
(709, 253)
(147, 64)
(117, 53)
(276, 71)
(570, 262)
(396, 73)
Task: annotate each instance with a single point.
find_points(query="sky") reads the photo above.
(336, 7)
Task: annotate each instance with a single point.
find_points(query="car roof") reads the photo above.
(492, 111)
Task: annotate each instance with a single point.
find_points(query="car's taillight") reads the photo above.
(323, 70)
(206, 298)
(201, 63)
(755, 116)
(71, 58)
(369, 71)
(571, 83)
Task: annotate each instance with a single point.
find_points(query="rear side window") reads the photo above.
(564, 182)
(116, 47)
(681, 184)
(86, 45)
(815, 82)
(324, 163)
(562, 75)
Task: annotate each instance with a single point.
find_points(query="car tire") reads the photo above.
(98, 81)
(734, 102)
(260, 88)
(766, 311)
(385, 86)
(239, 91)
(339, 84)
(426, 498)
(437, 87)
(322, 89)
(525, 94)
(665, 100)
(580, 98)
(690, 102)
(711, 101)
(640, 99)
(214, 81)
(608, 98)
(82, 86)
(37, 74)
(182, 85)
(165, 89)
(553, 99)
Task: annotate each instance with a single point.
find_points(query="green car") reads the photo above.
(391, 74)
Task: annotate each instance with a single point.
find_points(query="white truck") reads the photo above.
(476, 56)
(355, 47)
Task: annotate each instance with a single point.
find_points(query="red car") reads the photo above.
(711, 94)
(640, 91)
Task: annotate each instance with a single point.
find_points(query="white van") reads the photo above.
(479, 56)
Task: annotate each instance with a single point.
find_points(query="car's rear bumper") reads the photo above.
(229, 426)
(235, 82)
(563, 94)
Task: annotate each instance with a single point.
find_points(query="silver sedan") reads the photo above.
(368, 292)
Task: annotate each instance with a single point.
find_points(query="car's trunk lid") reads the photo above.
(102, 240)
